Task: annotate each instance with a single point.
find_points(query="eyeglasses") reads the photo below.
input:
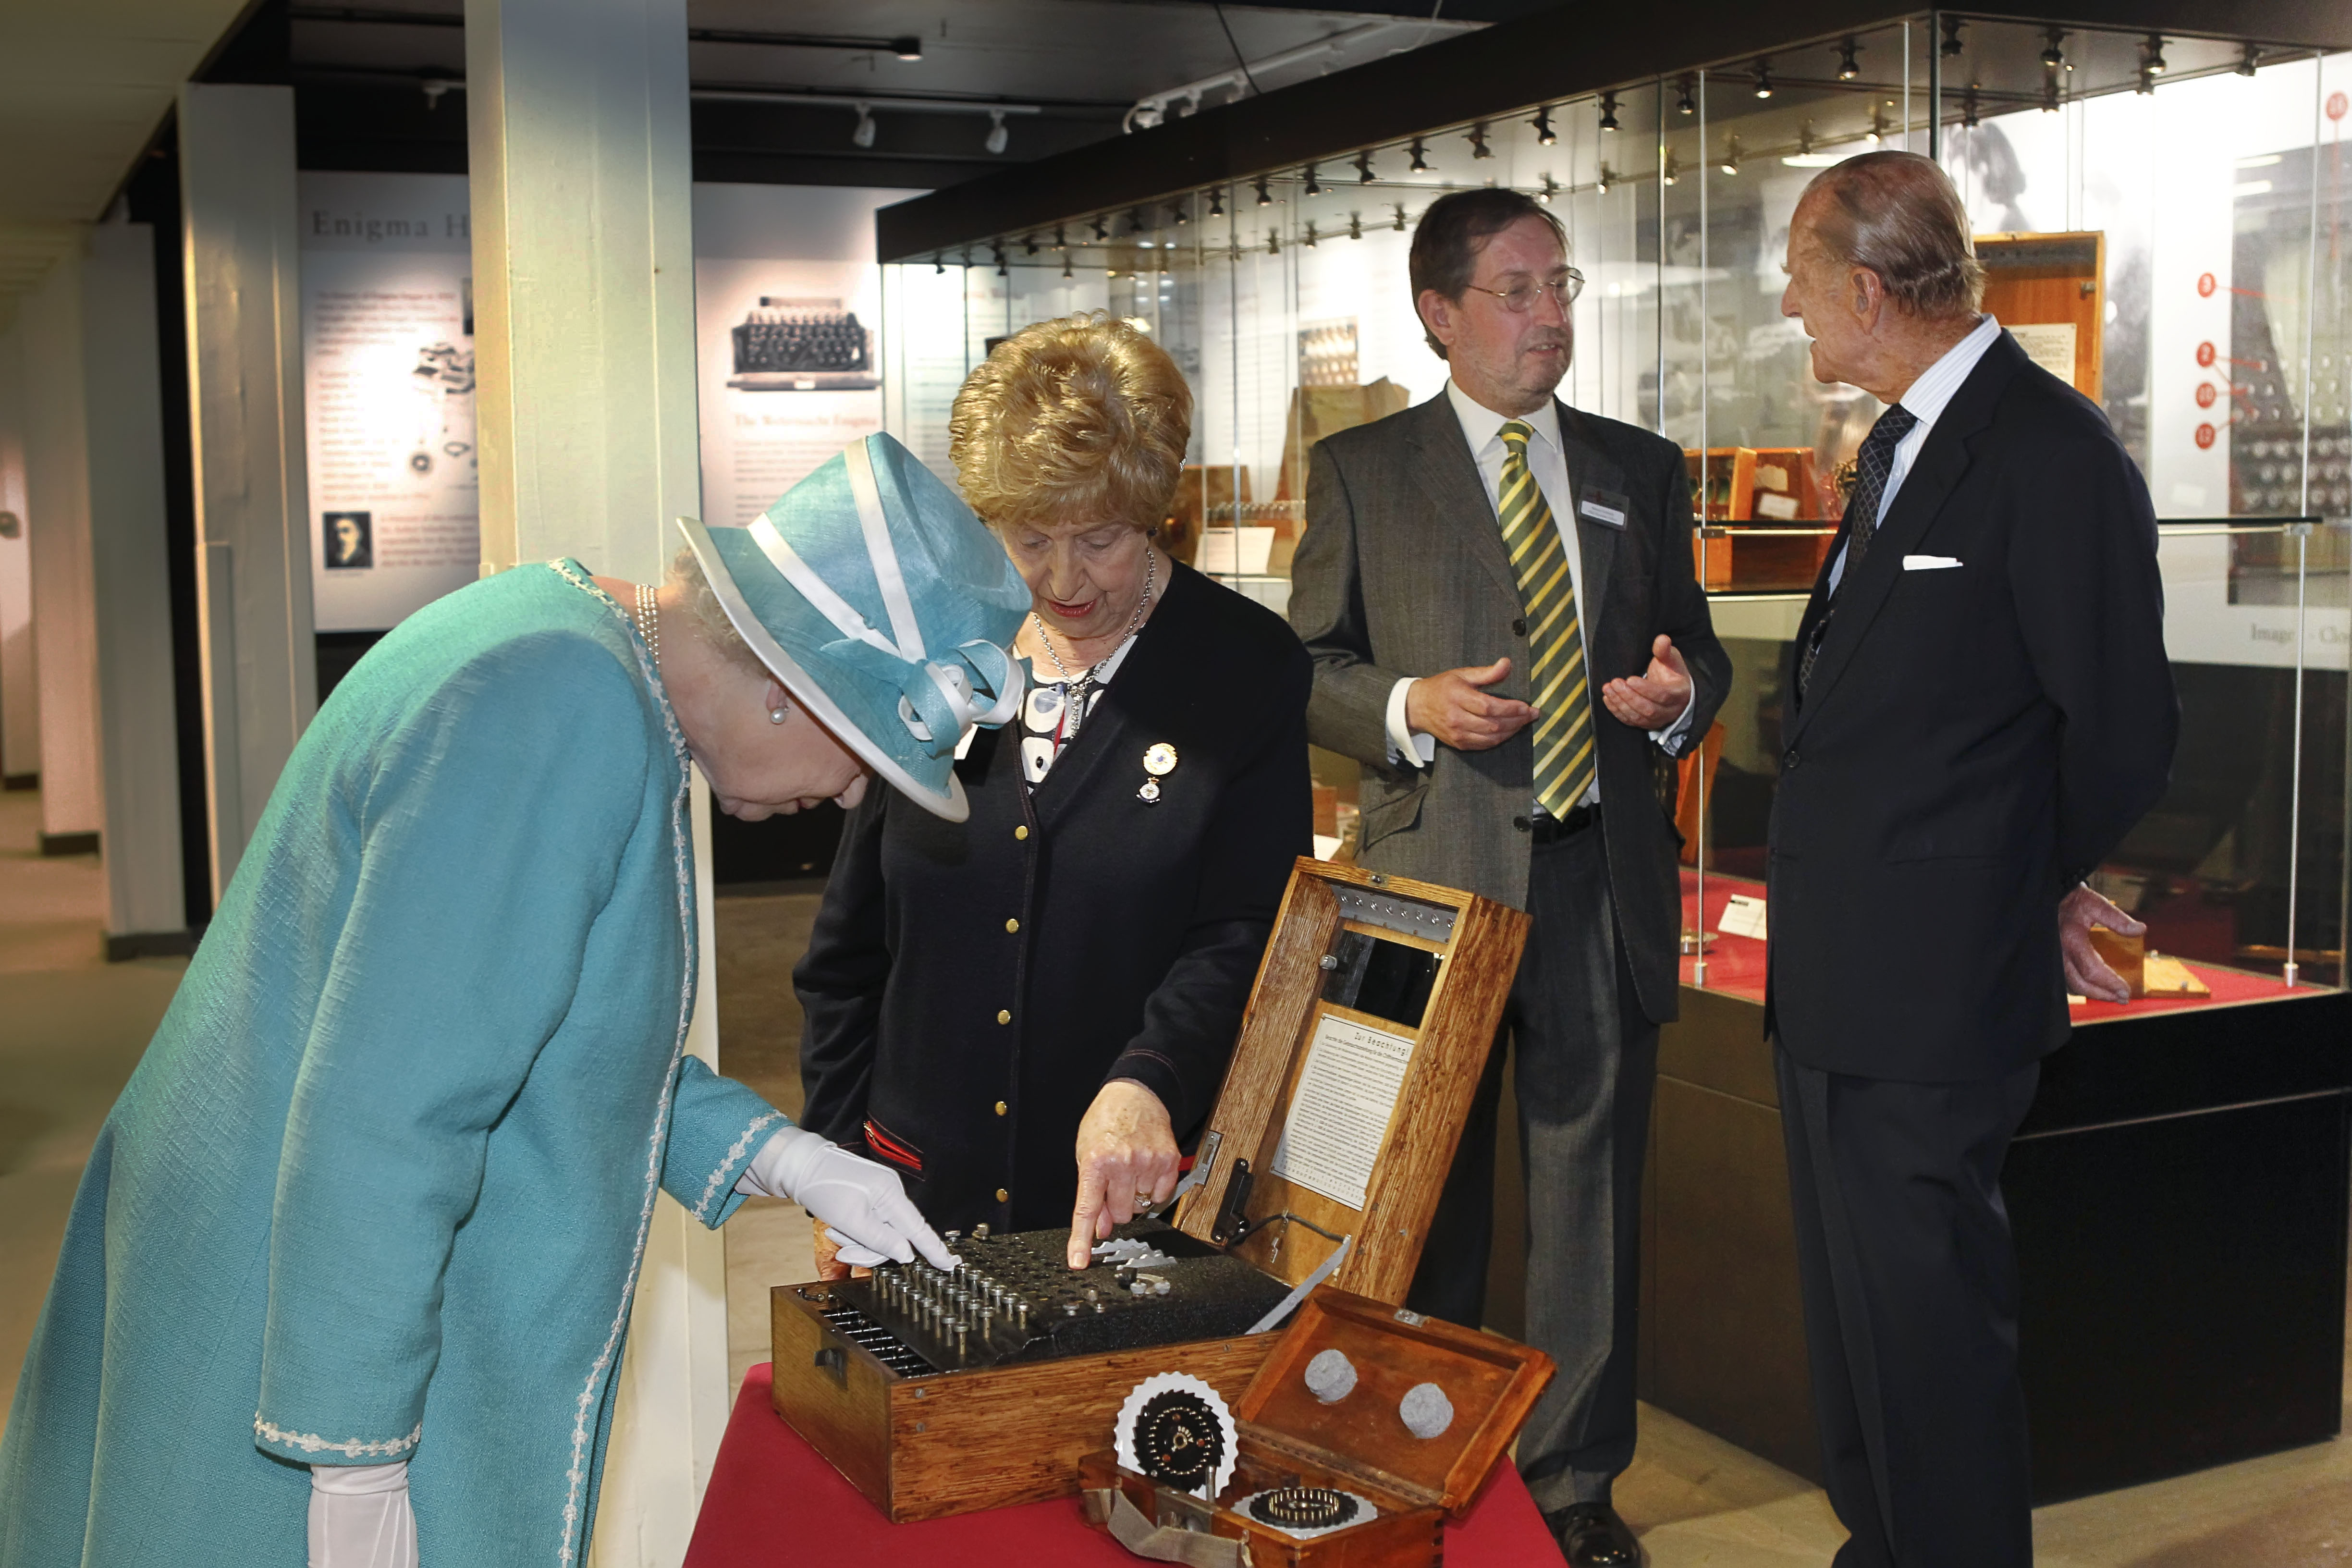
(1519, 301)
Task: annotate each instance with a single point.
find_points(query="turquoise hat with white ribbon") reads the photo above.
(886, 608)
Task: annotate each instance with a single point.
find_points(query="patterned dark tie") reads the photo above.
(1871, 467)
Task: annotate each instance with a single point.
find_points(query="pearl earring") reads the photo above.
(776, 715)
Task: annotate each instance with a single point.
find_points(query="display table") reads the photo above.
(2178, 1192)
(772, 1500)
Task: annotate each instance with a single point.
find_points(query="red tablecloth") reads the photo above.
(1735, 964)
(773, 1500)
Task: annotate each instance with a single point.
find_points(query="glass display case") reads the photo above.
(2162, 219)
(2162, 222)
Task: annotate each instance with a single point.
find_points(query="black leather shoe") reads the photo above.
(1591, 1535)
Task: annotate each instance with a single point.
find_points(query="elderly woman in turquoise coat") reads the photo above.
(349, 1271)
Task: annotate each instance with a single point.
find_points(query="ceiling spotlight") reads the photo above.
(1730, 164)
(1177, 212)
(1971, 108)
(1551, 189)
(1420, 157)
(1310, 235)
(939, 262)
(1877, 131)
(2053, 54)
(1061, 238)
(1134, 224)
(1477, 135)
(2151, 55)
(2051, 98)
(1848, 60)
(1274, 242)
(864, 135)
(1608, 111)
(997, 135)
(1670, 171)
(1314, 185)
(2251, 58)
(1102, 227)
(1685, 103)
(909, 49)
(1805, 140)
(1029, 244)
(1763, 80)
(2147, 83)
(965, 256)
(1606, 180)
(1355, 226)
(1542, 122)
(1399, 224)
(1364, 167)
(1264, 196)
(1952, 26)
(998, 250)
(1065, 267)
(1216, 201)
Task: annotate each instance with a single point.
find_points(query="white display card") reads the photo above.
(1743, 916)
(1347, 1093)
(2050, 344)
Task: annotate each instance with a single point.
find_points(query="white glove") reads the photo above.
(360, 1516)
(860, 1203)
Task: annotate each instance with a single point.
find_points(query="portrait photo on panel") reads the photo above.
(350, 539)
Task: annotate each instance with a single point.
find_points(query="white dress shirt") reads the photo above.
(1481, 427)
(1927, 398)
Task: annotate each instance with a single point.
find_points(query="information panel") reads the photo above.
(388, 395)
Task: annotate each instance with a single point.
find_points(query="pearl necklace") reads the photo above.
(1083, 682)
(648, 619)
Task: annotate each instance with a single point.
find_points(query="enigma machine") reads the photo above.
(803, 345)
(941, 1391)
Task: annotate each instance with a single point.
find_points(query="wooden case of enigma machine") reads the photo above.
(1366, 1429)
(939, 1393)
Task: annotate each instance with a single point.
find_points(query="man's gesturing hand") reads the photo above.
(2087, 974)
(1127, 1163)
(1656, 697)
(1454, 706)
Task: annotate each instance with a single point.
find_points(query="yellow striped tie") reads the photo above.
(1564, 760)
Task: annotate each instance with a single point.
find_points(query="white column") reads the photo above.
(584, 294)
(20, 702)
(56, 523)
(138, 743)
(240, 218)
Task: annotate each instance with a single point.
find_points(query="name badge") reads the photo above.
(1605, 507)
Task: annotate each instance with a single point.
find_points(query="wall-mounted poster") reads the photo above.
(787, 313)
(388, 352)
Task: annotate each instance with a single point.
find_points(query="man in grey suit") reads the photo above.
(1497, 591)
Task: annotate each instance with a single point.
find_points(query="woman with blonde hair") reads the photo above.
(1024, 1012)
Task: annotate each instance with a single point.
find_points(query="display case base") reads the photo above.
(2178, 1193)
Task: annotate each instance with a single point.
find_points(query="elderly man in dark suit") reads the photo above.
(1983, 707)
(1497, 591)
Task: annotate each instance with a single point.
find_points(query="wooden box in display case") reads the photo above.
(939, 1393)
(1366, 1429)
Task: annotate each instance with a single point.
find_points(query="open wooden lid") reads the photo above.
(1375, 1010)
(1491, 1382)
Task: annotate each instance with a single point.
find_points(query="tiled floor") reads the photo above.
(71, 1027)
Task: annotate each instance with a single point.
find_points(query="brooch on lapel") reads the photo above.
(1157, 762)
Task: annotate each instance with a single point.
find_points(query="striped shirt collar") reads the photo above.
(1927, 397)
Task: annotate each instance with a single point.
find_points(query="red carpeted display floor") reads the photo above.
(773, 1500)
(1735, 964)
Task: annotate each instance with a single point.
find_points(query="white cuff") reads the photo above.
(1671, 738)
(1404, 741)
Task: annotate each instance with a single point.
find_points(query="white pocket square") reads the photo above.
(1929, 562)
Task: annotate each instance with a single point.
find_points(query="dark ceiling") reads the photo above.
(379, 86)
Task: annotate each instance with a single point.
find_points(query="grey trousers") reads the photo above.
(1587, 1063)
